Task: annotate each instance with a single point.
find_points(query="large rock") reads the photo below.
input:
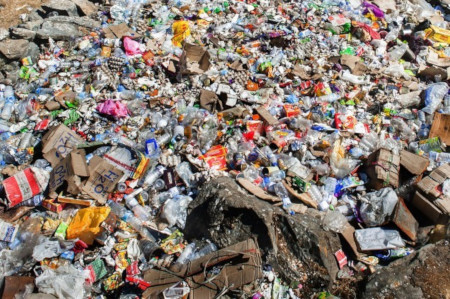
(14, 48)
(31, 25)
(58, 31)
(80, 21)
(23, 33)
(296, 246)
(86, 7)
(423, 274)
(62, 7)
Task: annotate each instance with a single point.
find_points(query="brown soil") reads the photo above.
(10, 10)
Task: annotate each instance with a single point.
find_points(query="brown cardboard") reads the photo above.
(429, 185)
(103, 179)
(304, 197)
(405, 220)
(257, 191)
(210, 101)
(243, 266)
(74, 201)
(415, 164)
(383, 168)
(441, 127)
(119, 31)
(194, 60)
(302, 73)
(70, 170)
(430, 210)
(429, 73)
(348, 233)
(266, 116)
(15, 285)
(52, 105)
(58, 142)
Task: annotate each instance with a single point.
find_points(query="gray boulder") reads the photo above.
(58, 31)
(14, 48)
(23, 33)
(62, 7)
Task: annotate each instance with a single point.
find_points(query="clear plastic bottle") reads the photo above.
(282, 193)
(161, 198)
(10, 100)
(138, 210)
(315, 193)
(187, 254)
(132, 220)
(207, 249)
(152, 176)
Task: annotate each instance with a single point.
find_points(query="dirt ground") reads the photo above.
(10, 10)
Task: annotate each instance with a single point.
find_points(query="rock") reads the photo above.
(296, 246)
(23, 33)
(14, 48)
(33, 51)
(32, 25)
(422, 274)
(86, 7)
(58, 31)
(62, 7)
(4, 33)
(36, 15)
(81, 21)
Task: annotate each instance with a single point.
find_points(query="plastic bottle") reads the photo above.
(397, 52)
(315, 193)
(128, 217)
(10, 100)
(161, 198)
(282, 193)
(207, 249)
(187, 254)
(439, 157)
(152, 176)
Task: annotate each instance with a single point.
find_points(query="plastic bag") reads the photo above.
(113, 108)
(132, 47)
(434, 95)
(334, 221)
(378, 206)
(86, 223)
(378, 239)
(46, 249)
(175, 210)
(65, 282)
(181, 31)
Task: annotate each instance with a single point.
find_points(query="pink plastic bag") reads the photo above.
(113, 108)
(131, 46)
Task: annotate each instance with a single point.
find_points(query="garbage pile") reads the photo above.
(222, 148)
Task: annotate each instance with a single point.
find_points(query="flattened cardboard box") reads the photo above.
(103, 179)
(383, 168)
(243, 266)
(441, 127)
(194, 60)
(58, 142)
(72, 169)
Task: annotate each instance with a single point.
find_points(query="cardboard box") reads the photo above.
(72, 169)
(383, 168)
(243, 266)
(58, 143)
(429, 209)
(16, 285)
(266, 116)
(428, 186)
(103, 179)
(405, 221)
(210, 101)
(441, 127)
(415, 164)
(194, 60)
